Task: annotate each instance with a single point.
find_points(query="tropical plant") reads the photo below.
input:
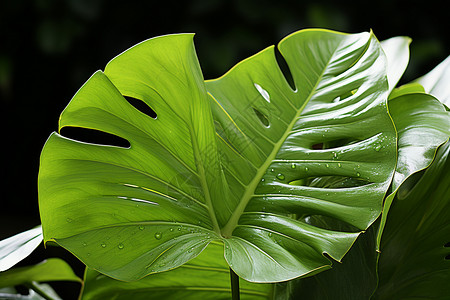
(268, 172)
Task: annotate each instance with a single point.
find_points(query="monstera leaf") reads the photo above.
(245, 159)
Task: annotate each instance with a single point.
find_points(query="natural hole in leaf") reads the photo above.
(262, 117)
(284, 67)
(141, 106)
(93, 136)
(334, 143)
(329, 223)
(447, 245)
(447, 257)
(331, 182)
(345, 95)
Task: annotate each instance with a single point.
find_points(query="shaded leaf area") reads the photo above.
(16, 248)
(354, 278)
(52, 269)
(414, 260)
(214, 161)
(205, 277)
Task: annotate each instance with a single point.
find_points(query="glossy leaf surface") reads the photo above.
(16, 248)
(233, 160)
(423, 125)
(205, 277)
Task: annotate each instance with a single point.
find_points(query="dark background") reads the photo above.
(49, 48)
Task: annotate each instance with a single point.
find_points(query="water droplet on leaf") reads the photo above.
(293, 166)
(141, 227)
(280, 176)
(103, 245)
(158, 235)
(120, 246)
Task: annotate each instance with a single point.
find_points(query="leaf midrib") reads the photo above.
(228, 229)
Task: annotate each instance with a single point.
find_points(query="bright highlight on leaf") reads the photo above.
(215, 160)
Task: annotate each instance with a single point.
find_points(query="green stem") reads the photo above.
(235, 294)
(35, 287)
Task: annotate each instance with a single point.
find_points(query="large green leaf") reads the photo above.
(236, 164)
(205, 277)
(16, 248)
(415, 247)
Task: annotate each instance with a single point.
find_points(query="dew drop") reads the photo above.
(171, 229)
(103, 245)
(84, 244)
(280, 176)
(293, 166)
(179, 228)
(141, 227)
(378, 147)
(158, 235)
(120, 246)
(339, 165)
(327, 165)
(306, 169)
(335, 156)
(271, 170)
(270, 233)
(262, 180)
(358, 174)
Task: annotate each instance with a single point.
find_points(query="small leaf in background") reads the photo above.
(52, 269)
(397, 54)
(18, 247)
(436, 82)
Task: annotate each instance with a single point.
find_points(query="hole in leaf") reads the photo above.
(318, 146)
(262, 117)
(329, 223)
(93, 136)
(447, 257)
(284, 68)
(330, 182)
(345, 96)
(141, 106)
(334, 144)
(447, 245)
